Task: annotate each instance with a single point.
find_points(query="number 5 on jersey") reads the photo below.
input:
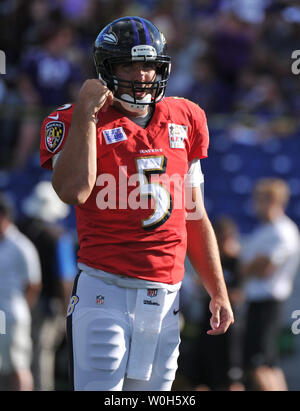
(162, 198)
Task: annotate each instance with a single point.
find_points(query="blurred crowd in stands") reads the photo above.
(232, 57)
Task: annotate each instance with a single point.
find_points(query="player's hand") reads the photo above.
(94, 96)
(221, 316)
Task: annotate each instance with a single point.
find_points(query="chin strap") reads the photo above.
(129, 105)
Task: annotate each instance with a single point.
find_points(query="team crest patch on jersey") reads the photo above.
(177, 135)
(115, 135)
(54, 134)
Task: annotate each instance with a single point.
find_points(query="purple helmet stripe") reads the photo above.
(136, 33)
(148, 39)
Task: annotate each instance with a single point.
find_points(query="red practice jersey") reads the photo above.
(133, 223)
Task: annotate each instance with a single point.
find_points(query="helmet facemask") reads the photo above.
(156, 88)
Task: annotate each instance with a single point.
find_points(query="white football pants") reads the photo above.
(122, 338)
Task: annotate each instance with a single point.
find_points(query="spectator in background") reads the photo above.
(263, 99)
(228, 238)
(56, 249)
(20, 285)
(48, 78)
(34, 17)
(205, 86)
(10, 103)
(269, 261)
(217, 364)
(231, 50)
(48, 75)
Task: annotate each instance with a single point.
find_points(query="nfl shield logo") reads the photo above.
(99, 299)
(152, 292)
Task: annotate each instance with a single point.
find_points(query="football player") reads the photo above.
(125, 155)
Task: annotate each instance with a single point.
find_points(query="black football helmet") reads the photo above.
(132, 39)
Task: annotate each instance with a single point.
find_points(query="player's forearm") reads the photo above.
(204, 255)
(75, 171)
